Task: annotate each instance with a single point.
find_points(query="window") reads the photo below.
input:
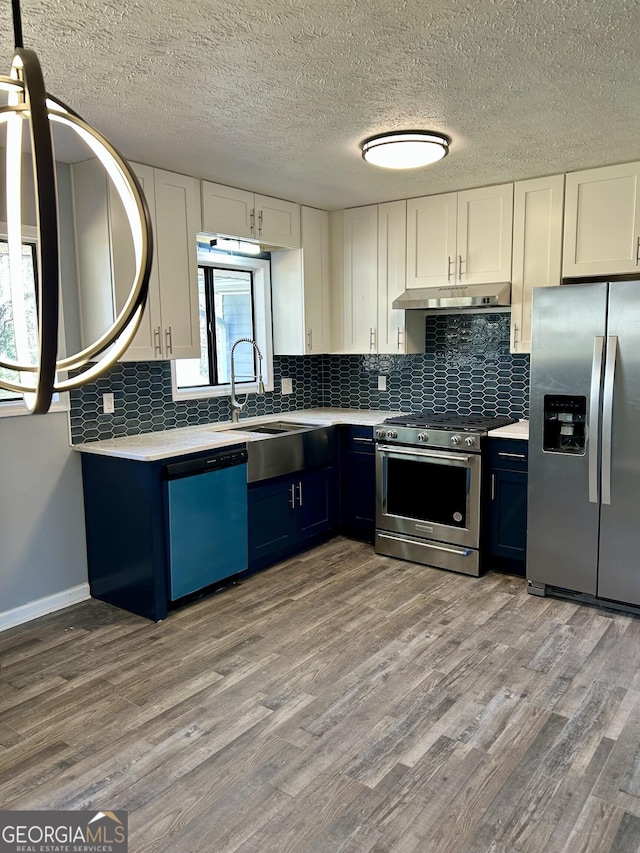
(19, 319)
(18, 314)
(235, 300)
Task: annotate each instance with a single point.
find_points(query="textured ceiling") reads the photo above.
(276, 95)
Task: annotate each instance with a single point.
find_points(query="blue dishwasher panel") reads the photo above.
(207, 528)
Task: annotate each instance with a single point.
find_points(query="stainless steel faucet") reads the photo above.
(236, 405)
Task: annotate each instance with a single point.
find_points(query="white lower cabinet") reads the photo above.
(368, 248)
(537, 249)
(300, 290)
(170, 326)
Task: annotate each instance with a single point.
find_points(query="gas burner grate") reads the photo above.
(451, 421)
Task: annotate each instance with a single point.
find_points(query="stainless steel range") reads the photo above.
(429, 486)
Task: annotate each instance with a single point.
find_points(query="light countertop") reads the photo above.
(154, 446)
(519, 430)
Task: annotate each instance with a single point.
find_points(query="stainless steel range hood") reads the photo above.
(455, 296)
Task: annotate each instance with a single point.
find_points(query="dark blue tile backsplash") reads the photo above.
(466, 368)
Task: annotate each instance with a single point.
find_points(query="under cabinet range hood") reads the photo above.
(455, 296)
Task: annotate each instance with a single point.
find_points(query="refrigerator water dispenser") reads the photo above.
(564, 424)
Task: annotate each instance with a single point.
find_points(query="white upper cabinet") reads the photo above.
(238, 213)
(177, 226)
(485, 224)
(537, 249)
(368, 249)
(392, 265)
(300, 290)
(105, 260)
(602, 221)
(360, 282)
(432, 224)
(460, 238)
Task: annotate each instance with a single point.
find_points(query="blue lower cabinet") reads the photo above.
(507, 545)
(158, 531)
(358, 483)
(290, 514)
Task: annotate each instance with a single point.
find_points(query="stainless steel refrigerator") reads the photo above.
(584, 455)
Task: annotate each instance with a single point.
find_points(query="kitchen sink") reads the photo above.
(287, 447)
(271, 428)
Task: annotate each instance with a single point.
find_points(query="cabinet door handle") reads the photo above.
(460, 267)
(401, 334)
(310, 340)
(493, 487)
(506, 455)
(252, 221)
(372, 340)
(364, 440)
(449, 262)
(300, 493)
(260, 228)
(638, 251)
(292, 495)
(515, 333)
(157, 341)
(168, 339)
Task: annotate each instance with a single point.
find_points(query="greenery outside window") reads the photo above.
(235, 302)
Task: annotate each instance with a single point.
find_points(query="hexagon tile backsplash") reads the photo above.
(466, 368)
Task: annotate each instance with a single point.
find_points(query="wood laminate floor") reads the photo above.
(341, 702)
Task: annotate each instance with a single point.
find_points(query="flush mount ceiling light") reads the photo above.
(28, 101)
(405, 149)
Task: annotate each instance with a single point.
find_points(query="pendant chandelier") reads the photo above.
(28, 101)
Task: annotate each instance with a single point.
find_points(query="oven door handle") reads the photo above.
(418, 451)
(461, 552)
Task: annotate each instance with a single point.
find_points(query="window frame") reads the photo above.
(262, 324)
(60, 403)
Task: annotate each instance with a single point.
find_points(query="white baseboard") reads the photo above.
(42, 606)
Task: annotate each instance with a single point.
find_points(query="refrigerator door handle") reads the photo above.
(594, 414)
(607, 417)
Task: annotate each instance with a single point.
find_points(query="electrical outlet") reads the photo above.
(287, 386)
(108, 406)
(382, 383)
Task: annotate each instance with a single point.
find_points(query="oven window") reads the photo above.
(427, 491)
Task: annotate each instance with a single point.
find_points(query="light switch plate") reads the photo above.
(382, 383)
(287, 386)
(108, 406)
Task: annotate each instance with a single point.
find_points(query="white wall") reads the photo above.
(42, 540)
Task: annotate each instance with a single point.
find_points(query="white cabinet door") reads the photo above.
(300, 290)
(177, 224)
(485, 224)
(226, 210)
(238, 213)
(147, 343)
(602, 221)
(277, 222)
(360, 284)
(431, 240)
(537, 249)
(93, 249)
(392, 257)
(315, 266)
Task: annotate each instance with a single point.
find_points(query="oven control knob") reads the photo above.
(423, 436)
(470, 440)
(381, 433)
(392, 434)
(455, 440)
